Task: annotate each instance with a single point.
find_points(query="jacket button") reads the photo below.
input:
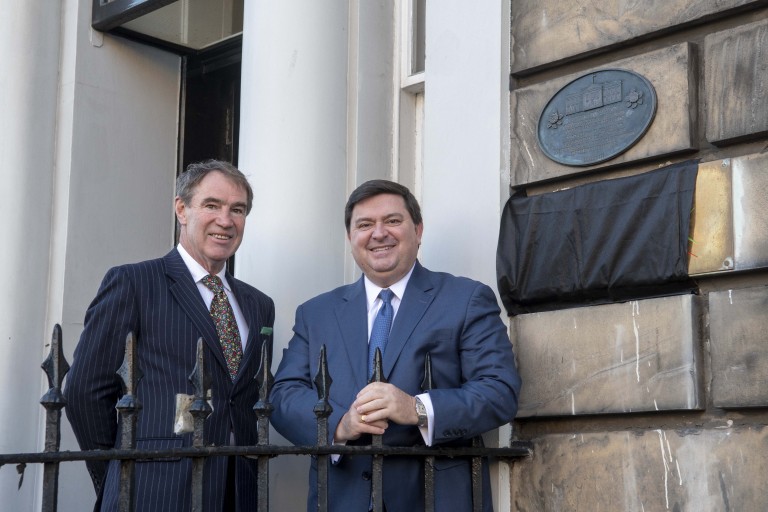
(366, 475)
(232, 403)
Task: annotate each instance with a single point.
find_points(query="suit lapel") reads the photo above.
(352, 318)
(250, 310)
(185, 291)
(416, 299)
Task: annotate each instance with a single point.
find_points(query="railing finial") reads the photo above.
(378, 372)
(55, 367)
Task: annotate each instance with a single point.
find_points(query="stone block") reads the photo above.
(736, 83)
(750, 210)
(738, 324)
(615, 358)
(670, 71)
(551, 31)
(713, 469)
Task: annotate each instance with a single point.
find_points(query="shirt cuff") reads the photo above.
(335, 457)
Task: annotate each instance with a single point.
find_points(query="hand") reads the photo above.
(353, 425)
(380, 401)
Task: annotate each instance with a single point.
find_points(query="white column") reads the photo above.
(29, 51)
(293, 147)
(465, 135)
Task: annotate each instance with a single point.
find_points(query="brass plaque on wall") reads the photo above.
(711, 237)
(596, 117)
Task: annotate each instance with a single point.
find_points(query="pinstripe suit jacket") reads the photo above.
(160, 303)
(476, 384)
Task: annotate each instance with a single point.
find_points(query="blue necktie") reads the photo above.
(381, 327)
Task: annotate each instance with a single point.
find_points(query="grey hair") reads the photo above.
(187, 181)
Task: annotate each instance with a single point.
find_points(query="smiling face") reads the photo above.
(213, 221)
(384, 239)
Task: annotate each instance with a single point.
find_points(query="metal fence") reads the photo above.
(56, 367)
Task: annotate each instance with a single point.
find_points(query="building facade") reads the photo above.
(652, 404)
(659, 403)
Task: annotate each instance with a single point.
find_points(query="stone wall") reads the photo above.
(656, 404)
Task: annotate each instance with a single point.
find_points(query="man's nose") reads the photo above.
(225, 217)
(379, 230)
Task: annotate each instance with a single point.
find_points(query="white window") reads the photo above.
(414, 47)
(413, 55)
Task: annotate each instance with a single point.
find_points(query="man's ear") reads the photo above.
(181, 211)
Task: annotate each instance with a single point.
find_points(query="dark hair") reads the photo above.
(187, 181)
(374, 188)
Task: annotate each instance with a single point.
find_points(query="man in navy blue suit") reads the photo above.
(168, 305)
(453, 319)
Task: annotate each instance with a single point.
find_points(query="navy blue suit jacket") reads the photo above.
(476, 384)
(159, 302)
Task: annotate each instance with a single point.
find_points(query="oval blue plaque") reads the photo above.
(596, 117)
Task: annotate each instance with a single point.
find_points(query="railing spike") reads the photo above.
(128, 406)
(264, 378)
(426, 383)
(129, 372)
(322, 379)
(378, 370)
(20, 468)
(322, 411)
(55, 367)
(263, 409)
(200, 410)
(429, 460)
(377, 470)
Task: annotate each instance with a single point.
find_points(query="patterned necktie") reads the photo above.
(226, 326)
(381, 326)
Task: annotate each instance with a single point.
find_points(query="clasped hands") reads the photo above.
(374, 407)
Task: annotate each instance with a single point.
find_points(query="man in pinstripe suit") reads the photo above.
(166, 305)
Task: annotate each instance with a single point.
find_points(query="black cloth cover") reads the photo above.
(608, 241)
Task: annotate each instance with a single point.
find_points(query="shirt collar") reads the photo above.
(197, 270)
(372, 290)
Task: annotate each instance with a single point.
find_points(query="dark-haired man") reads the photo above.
(410, 312)
(168, 303)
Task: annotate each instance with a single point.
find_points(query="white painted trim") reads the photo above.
(353, 55)
(413, 83)
(408, 80)
(397, 59)
(418, 146)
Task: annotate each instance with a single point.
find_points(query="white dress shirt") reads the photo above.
(198, 273)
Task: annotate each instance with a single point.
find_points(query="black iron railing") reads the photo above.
(56, 367)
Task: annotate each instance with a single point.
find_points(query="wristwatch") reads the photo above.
(422, 413)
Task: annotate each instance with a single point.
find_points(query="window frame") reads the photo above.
(110, 14)
(412, 82)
